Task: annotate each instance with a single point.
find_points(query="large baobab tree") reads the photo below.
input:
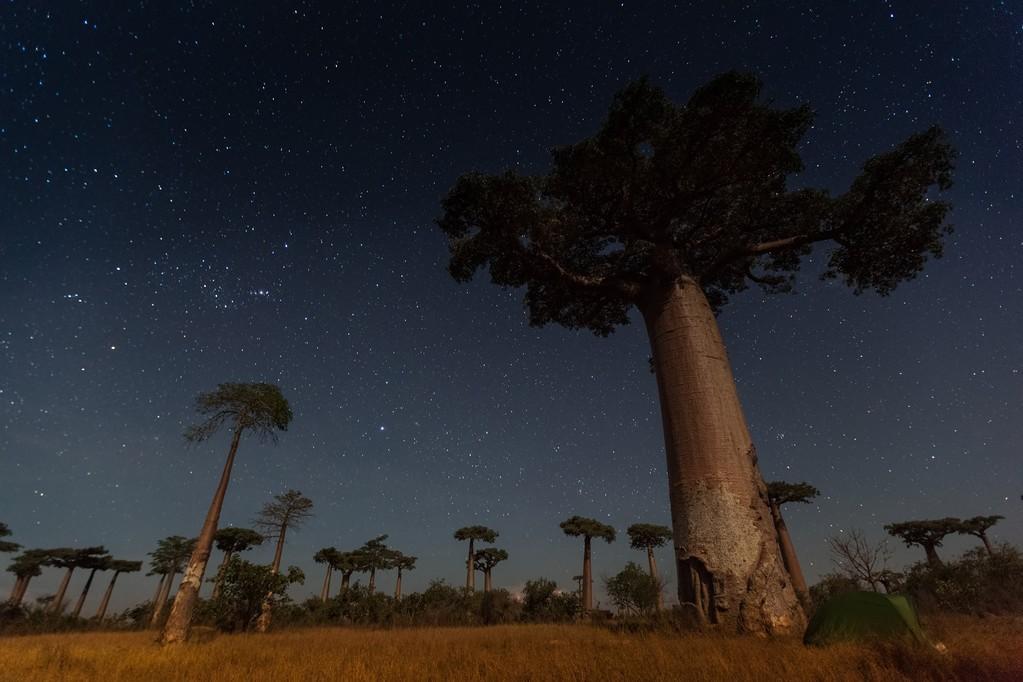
(672, 209)
(588, 529)
(978, 526)
(472, 534)
(231, 541)
(168, 559)
(6, 546)
(26, 566)
(327, 555)
(96, 563)
(486, 559)
(256, 408)
(401, 563)
(287, 511)
(373, 556)
(648, 537)
(69, 559)
(118, 566)
(779, 493)
(928, 534)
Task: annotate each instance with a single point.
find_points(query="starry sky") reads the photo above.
(194, 192)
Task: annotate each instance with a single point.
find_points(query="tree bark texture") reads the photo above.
(587, 578)
(653, 574)
(788, 555)
(58, 599)
(730, 570)
(101, 612)
(180, 619)
(85, 593)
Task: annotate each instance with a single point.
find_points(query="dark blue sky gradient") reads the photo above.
(193, 193)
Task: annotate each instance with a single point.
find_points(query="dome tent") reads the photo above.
(861, 615)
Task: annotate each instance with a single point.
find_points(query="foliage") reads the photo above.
(288, 510)
(586, 527)
(978, 526)
(4, 545)
(633, 591)
(648, 535)
(481, 533)
(258, 407)
(244, 588)
(665, 192)
(927, 534)
(233, 539)
(171, 554)
(489, 557)
(544, 602)
(975, 583)
(780, 492)
(29, 563)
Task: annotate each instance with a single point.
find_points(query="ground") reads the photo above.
(988, 649)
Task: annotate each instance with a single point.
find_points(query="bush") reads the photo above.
(975, 583)
(543, 602)
(633, 591)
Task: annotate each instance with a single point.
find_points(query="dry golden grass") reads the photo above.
(977, 650)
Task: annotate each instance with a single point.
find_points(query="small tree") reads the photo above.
(118, 567)
(978, 526)
(486, 559)
(230, 541)
(859, 560)
(288, 510)
(927, 534)
(648, 536)
(472, 534)
(247, 589)
(542, 601)
(588, 529)
(257, 408)
(632, 591)
(401, 563)
(778, 494)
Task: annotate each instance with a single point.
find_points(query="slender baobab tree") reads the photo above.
(4, 545)
(779, 493)
(648, 536)
(329, 556)
(472, 534)
(26, 566)
(257, 408)
(401, 563)
(671, 209)
(118, 566)
(486, 559)
(589, 529)
(287, 511)
(978, 526)
(69, 559)
(928, 534)
(230, 541)
(168, 559)
(98, 563)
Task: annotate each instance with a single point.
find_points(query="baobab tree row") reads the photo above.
(929, 534)
(373, 556)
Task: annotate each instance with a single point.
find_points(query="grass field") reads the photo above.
(977, 650)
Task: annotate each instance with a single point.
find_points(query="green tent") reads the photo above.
(860, 615)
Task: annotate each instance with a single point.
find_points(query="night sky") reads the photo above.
(192, 193)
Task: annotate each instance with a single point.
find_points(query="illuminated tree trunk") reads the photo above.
(397, 586)
(730, 570)
(470, 568)
(58, 599)
(587, 577)
(788, 555)
(325, 592)
(85, 592)
(653, 574)
(101, 612)
(180, 620)
(220, 574)
(487, 586)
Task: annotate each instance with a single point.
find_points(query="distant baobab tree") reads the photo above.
(69, 559)
(472, 534)
(649, 537)
(672, 209)
(978, 526)
(118, 566)
(373, 557)
(26, 566)
(6, 546)
(588, 529)
(328, 556)
(486, 559)
(347, 563)
(257, 408)
(231, 541)
(93, 564)
(779, 493)
(927, 534)
(168, 559)
(401, 563)
(288, 510)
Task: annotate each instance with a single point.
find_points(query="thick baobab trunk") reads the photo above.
(101, 612)
(85, 593)
(397, 586)
(220, 574)
(263, 623)
(730, 570)
(180, 619)
(470, 568)
(325, 592)
(487, 586)
(58, 599)
(161, 599)
(788, 556)
(587, 578)
(653, 574)
(932, 556)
